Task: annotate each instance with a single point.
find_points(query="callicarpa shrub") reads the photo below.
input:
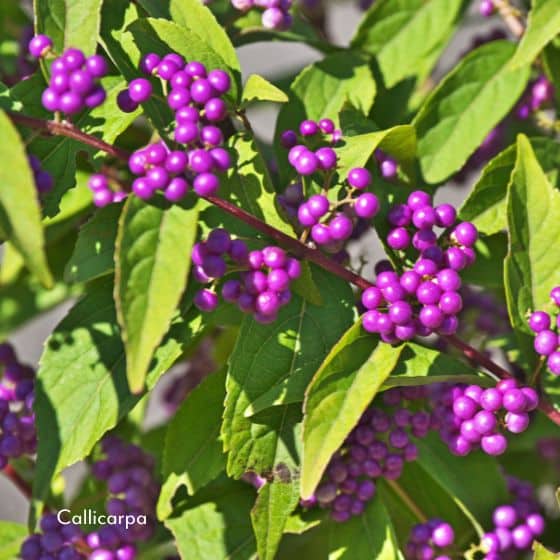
(328, 330)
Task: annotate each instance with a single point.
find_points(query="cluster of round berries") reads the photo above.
(539, 93)
(43, 179)
(276, 13)
(333, 223)
(17, 421)
(196, 99)
(516, 525)
(264, 276)
(129, 473)
(471, 417)
(310, 151)
(430, 540)
(486, 8)
(102, 192)
(55, 542)
(425, 299)
(547, 341)
(377, 447)
(74, 82)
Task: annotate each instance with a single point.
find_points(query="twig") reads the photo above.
(69, 130)
(510, 17)
(17, 480)
(290, 243)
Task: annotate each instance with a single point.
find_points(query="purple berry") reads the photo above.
(359, 178)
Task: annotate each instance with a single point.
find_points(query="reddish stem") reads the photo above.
(22, 485)
(69, 130)
(292, 244)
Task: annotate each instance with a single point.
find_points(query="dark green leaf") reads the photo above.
(152, 263)
(542, 26)
(258, 89)
(403, 34)
(275, 502)
(20, 214)
(488, 269)
(198, 459)
(11, 537)
(266, 356)
(532, 267)
(370, 535)
(93, 253)
(216, 524)
(466, 105)
(486, 204)
(347, 381)
(82, 390)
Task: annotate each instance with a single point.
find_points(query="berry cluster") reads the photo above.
(276, 13)
(74, 82)
(310, 151)
(547, 341)
(55, 542)
(377, 447)
(429, 539)
(262, 286)
(129, 473)
(424, 299)
(196, 100)
(472, 417)
(17, 420)
(539, 93)
(102, 192)
(43, 179)
(516, 525)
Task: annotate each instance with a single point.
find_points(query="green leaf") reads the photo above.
(20, 214)
(321, 90)
(356, 151)
(82, 390)
(403, 34)
(367, 536)
(418, 365)
(541, 553)
(93, 254)
(486, 205)
(69, 24)
(215, 525)
(152, 263)
(466, 105)
(347, 381)
(542, 26)
(258, 88)
(11, 537)
(488, 269)
(532, 267)
(196, 18)
(275, 502)
(289, 350)
(160, 36)
(551, 63)
(198, 459)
